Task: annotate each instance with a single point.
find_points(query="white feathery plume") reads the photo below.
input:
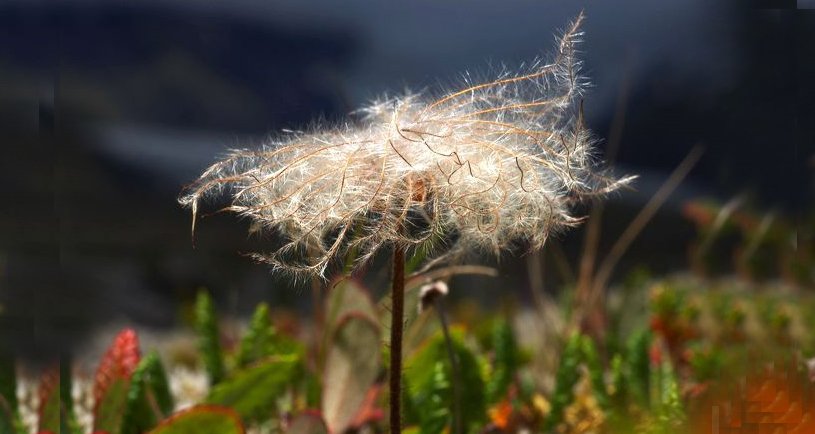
(483, 167)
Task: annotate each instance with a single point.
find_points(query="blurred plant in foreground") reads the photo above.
(684, 356)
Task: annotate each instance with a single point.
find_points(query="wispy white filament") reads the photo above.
(483, 167)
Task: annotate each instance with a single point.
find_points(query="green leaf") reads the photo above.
(670, 411)
(619, 395)
(206, 323)
(312, 389)
(437, 412)
(112, 381)
(618, 383)
(203, 419)
(49, 409)
(109, 412)
(506, 361)
(7, 419)
(138, 416)
(252, 391)
(410, 414)
(159, 386)
(149, 399)
(68, 422)
(637, 370)
(258, 342)
(8, 395)
(707, 362)
(596, 371)
(351, 368)
(262, 341)
(565, 379)
(429, 379)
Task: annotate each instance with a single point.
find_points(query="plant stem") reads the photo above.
(397, 323)
(451, 353)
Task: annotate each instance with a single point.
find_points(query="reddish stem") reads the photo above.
(397, 323)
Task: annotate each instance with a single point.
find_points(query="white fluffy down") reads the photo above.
(480, 168)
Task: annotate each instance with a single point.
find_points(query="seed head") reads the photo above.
(429, 293)
(480, 168)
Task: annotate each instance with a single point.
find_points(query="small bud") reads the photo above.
(431, 292)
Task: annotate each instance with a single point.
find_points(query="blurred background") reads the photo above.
(107, 110)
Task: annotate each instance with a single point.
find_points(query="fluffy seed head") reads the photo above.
(479, 168)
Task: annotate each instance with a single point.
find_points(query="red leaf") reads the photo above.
(48, 409)
(369, 412)
(119, 361)
(655, 354)
(48, 385)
